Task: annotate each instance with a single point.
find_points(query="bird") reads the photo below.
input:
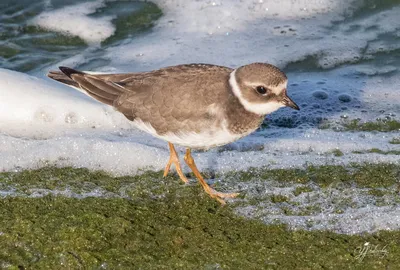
(197, 106)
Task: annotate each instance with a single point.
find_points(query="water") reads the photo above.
(342, 59)
(35, 34)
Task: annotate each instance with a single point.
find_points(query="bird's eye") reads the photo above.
(261, 90)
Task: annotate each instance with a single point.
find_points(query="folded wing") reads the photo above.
(171, 99)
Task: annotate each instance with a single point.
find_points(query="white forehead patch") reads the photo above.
(257, 108)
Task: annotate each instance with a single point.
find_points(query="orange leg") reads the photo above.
(213, 194)
(173, 158)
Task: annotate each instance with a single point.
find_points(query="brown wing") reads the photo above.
(170, 99)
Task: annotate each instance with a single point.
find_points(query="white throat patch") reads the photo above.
(257, 108)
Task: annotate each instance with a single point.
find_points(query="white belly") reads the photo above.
(206, 139)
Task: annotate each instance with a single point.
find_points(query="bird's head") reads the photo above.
(261, 88)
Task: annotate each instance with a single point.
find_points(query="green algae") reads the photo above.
(382, 126)
(362, 175)
(301, 189)
(279, 198)
(395, 140)
(378, 151)
(80, 180)
(337, 153)
(377, 192)
(308, 191)
(357, 125)
(7, 51)
(55, 232)
(149, 222)
(134, 22)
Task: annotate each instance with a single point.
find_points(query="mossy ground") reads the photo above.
(357, 125)
(146, 222)
(378, 151)
(395, 140)
(362, 175)
(383, 126)
(169, 233)
(337, 153)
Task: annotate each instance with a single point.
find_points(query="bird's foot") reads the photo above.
(219, 196)
(174, 159)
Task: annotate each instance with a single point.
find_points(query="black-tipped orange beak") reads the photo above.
(290, 103)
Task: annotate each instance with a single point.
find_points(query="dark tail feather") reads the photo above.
(69, 71)
(102, 90)
(62, 78)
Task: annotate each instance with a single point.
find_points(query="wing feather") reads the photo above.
(170, 99)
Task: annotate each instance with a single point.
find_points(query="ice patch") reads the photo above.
(74, 20)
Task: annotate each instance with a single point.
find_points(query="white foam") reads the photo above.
(74, 20)
(216, 17)
(234, 33)
(230, 33)
(341, 209)
(31, 106)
